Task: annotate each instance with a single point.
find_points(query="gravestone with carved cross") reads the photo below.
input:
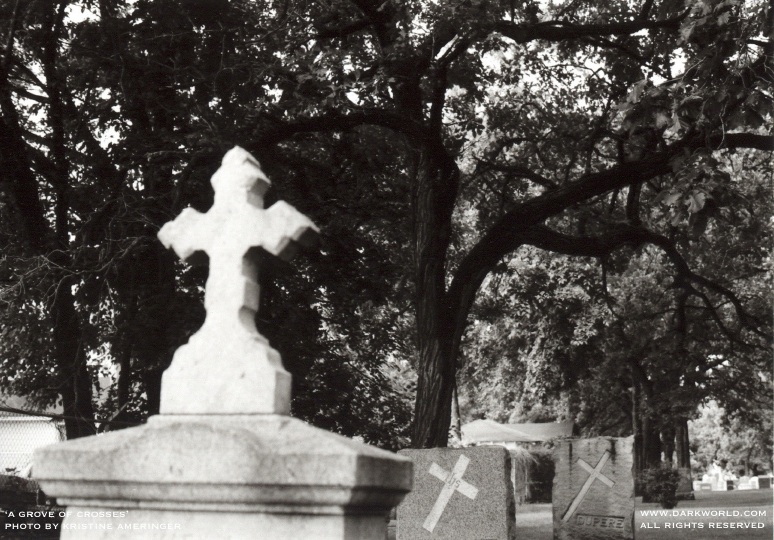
(593, 492)
(464, 494)
(223, 459)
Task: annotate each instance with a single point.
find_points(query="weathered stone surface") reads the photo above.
(222, 460)
(227, 365)
(177, 467)
(593, 493)
(460, 494)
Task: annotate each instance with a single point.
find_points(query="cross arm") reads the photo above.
(289, 229)
(596, 473)
(182, 236)
(438, 472)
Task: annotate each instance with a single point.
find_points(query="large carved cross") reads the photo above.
(227, 359)
(452, 481)
(595, 473)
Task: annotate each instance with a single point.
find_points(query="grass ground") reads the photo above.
(533, 521)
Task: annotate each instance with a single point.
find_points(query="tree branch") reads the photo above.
(646, 7)
(588, 186)
(8, 53)
(335, 122)
(746, 140)
(341, 31)
(518, 171)
(561, 30)
(379, 13)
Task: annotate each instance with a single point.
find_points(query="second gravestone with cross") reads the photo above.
(223, 459)
(460, 494)
(593, 493)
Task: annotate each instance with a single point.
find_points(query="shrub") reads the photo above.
(660, 485)
(541, 476)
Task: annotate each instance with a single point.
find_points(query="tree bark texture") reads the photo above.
(433, 202)
(647, 436)
(682, 447)
(636, 429)
(41, 240)
(668, 434)
(74, 378)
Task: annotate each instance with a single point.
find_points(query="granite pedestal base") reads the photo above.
(223, 476)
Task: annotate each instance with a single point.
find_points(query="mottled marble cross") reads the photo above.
(230, 234)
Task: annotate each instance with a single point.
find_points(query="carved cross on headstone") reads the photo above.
(595, 473)
(227, 367)
(452, 481)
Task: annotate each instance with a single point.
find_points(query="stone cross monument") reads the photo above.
(223, 459)
(241, 375)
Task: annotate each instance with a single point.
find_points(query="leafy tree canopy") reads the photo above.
(430, 140)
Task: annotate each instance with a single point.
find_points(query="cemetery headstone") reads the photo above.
(459, 493)
(593, 494)
(745, 482)
(223, 459)
(764, 482)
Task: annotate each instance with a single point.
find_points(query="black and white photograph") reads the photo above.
(386, 269)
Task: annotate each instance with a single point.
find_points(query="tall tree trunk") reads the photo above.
(157, 297)
(647, 441)
(668, 442)
(124, 376)
(74, 383)
(74, 378)
(151, 379)
(651, 434)
(433, 202)
(456, 422)
(647, 434)
(70, 351)
(637, 428)
(682, 447)
(651, 442)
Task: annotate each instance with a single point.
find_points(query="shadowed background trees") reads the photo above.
(446, 150)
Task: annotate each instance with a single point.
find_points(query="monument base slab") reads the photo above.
(160, 524)
(223, 476)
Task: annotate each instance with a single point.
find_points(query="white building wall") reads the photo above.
(20, 435)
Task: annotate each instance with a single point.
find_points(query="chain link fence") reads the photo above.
(21, 432)
(25, 511)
